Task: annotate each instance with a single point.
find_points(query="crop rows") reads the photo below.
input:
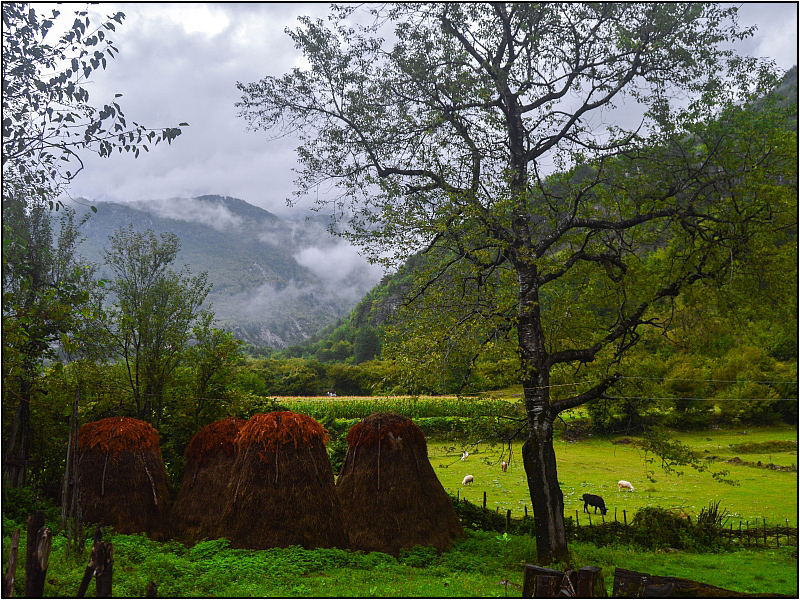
(358, 407)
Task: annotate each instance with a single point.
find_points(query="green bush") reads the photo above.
(19, 503)
(418, 556)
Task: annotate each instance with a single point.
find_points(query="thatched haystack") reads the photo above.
(122, 478)
(210, 457)
(390, 495)
(282, 491)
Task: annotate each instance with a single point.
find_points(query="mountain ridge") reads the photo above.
(275, 282)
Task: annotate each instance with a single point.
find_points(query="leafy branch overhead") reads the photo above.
(47, 117)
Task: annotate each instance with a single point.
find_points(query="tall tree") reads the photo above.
(486, 135)
(45, 292)
(152, 314)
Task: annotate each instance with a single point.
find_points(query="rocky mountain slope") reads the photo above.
(275, 281)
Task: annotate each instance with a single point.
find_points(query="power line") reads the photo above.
(683, 398)
(709, 380)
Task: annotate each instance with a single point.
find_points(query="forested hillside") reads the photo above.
(267, 288)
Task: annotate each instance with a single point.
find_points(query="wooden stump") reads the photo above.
(591, 583)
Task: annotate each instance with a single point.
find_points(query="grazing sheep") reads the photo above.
(594, 500)
(465, 455)
(504, 466)
(622, 484)
(468, 479)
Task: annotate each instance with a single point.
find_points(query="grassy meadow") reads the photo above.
(480, 563)
(594, 465)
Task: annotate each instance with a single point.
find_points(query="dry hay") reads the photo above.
(122, 477)
(281, 491)
(391, 498)
(210, 457)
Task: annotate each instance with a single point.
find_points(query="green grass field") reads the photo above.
(595, 465)
(477, 564)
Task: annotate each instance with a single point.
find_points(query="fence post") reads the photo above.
(525, 506)
(484, 499)
(765, 530)
(11, 571)
(37, 555)
(625, 516)
(577, 520)
(615, 515)
(508, 519)
(104, 570)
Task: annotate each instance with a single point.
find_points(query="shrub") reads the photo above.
(418, 556)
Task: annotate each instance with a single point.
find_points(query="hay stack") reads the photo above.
(210, 457)
(282, 491)
(122, 478)
(390, 495)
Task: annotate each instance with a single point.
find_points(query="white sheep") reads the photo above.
(465, 455)
(504, 466)
(468, 479)
(622, 484)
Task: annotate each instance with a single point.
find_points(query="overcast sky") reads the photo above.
(180, 63)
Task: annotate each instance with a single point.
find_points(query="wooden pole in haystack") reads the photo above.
(210, 458)
(281, 491)
(410, 507)
(121, 476)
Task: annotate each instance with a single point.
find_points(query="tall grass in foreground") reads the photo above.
(476, 566)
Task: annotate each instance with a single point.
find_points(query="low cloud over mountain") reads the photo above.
(275, 282)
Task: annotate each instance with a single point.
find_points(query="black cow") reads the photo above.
(596, 501)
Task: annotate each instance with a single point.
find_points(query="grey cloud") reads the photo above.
(342, 270)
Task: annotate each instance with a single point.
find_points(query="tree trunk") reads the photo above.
(539, 459)
(16, 459)
(538, 454)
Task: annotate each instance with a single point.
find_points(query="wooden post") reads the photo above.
(104, 570)
(90, 568)
(11, 571)
(151, 591)
(525, 506)
(615, 515)
(37, 555)
(484, 499)
(765, 530)
(577, 520)
(625, 516)
(508, 519)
